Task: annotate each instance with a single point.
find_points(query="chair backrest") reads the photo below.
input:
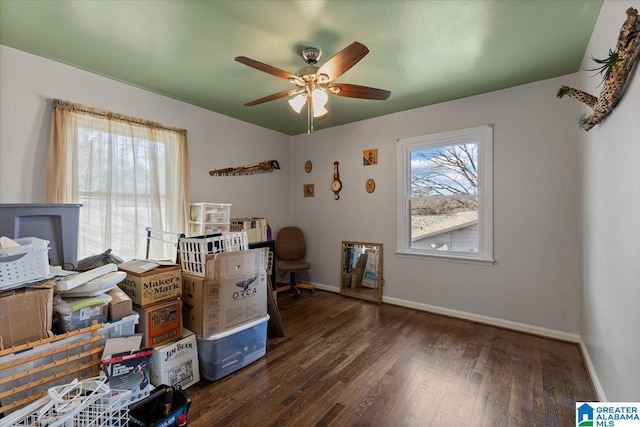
(290, 244)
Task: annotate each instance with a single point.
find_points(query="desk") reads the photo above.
(271, 244)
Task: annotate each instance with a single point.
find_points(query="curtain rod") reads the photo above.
(79, 108)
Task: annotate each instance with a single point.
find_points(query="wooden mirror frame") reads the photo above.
(351, 282)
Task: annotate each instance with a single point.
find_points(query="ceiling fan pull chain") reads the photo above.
(309, 116)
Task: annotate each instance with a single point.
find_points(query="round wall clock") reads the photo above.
(370, 186)
(336, 184)
(308, 166)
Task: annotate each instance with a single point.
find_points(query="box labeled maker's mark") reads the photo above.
(150, 282)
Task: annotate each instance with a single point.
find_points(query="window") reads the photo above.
(445, 195)
(128, 174)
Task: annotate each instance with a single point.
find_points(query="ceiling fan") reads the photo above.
(314, 84)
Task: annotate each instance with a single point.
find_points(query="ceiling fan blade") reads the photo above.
(356, 91)
(269, 98)
(265, 68)
(343, 60)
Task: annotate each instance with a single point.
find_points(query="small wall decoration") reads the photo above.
(255, 168)
(308, 166)
(615, 70)
(308, 190)
(370, 157)
(370, 186)
(336, 184)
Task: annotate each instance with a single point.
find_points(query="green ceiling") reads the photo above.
(424, 52)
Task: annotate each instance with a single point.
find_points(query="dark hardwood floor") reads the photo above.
(345, 362)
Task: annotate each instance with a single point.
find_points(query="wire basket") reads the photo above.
(83, 403)
(194, 251)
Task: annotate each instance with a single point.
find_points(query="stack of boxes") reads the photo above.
(225, 304)
(155, 288)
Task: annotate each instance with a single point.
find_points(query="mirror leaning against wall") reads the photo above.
(361, 275)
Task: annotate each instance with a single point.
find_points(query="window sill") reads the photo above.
(446, 257)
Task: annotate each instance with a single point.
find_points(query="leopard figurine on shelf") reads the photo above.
(615, 69)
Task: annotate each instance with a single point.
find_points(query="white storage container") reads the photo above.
(209, 218)
(26, 263)
(225, 353)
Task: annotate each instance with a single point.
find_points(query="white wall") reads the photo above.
(610, 177)
(535, 279)
(28, 83)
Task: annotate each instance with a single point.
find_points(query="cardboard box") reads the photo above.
(236, 296)
(160, 323)
(129, 371)
(17, 328)
(120, 305)
(370, 276)
(150, 282)
(176, 363)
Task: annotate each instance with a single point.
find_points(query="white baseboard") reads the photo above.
(501, 323)
(591, 371)
(494, 321)
(326, 287)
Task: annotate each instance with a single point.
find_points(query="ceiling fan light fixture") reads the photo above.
(319, 112)
(320, 98)
(297, 103)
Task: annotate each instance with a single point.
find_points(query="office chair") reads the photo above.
(291, 251)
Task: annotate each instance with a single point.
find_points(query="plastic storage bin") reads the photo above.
(225, 353)
(75, 313)
(26, 263)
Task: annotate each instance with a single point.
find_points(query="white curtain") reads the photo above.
(128, 173)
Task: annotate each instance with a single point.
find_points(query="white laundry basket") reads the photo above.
(26, 263)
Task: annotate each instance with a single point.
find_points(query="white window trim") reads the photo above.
(484, 136)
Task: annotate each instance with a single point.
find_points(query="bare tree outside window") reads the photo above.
(444, 198)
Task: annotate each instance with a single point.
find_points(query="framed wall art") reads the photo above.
(308, 190)
(370, 157)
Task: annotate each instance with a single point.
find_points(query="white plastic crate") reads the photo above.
(194, 251)
(79, 404)
(26, 263)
